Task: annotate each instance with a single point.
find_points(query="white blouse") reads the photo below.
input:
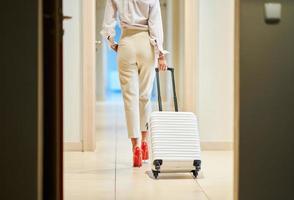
(135, 14)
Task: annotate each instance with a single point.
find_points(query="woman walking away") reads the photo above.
(139, 50)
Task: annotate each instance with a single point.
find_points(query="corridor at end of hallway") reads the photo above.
(107, 173)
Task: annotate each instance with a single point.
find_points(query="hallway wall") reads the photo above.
(79, 74)
(73, 71)
(216, 71)
(100, 71)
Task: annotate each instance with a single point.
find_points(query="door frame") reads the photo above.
(52, 100)
(236, 100)
(89, 75)
(53, 90)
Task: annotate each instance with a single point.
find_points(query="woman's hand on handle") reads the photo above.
(113, 44)
(114, 47)
(162, 64)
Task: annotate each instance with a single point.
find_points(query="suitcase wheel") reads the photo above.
(155, 174)
(157, 164)
(197, 164)
(195, 173)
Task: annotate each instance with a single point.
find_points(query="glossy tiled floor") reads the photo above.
(108, 173)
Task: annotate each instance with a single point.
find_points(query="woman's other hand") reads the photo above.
(162, 64)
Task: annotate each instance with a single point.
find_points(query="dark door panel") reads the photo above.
(266, 103)
(53, 116)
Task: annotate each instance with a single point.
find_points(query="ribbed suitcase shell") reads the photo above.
(174, 140)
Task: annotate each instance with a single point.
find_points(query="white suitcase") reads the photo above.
(175, 145)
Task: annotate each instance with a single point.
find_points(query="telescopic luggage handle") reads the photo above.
(174, 88)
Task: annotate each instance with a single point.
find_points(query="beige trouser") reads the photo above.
(136, 60)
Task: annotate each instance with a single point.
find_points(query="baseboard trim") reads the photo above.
(216, 146)
(73, 146)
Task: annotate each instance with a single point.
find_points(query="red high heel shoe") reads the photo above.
(145, 152)
(137, 157)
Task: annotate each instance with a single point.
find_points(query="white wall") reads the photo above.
(216, 70)
(72, 46)
(100, 69)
